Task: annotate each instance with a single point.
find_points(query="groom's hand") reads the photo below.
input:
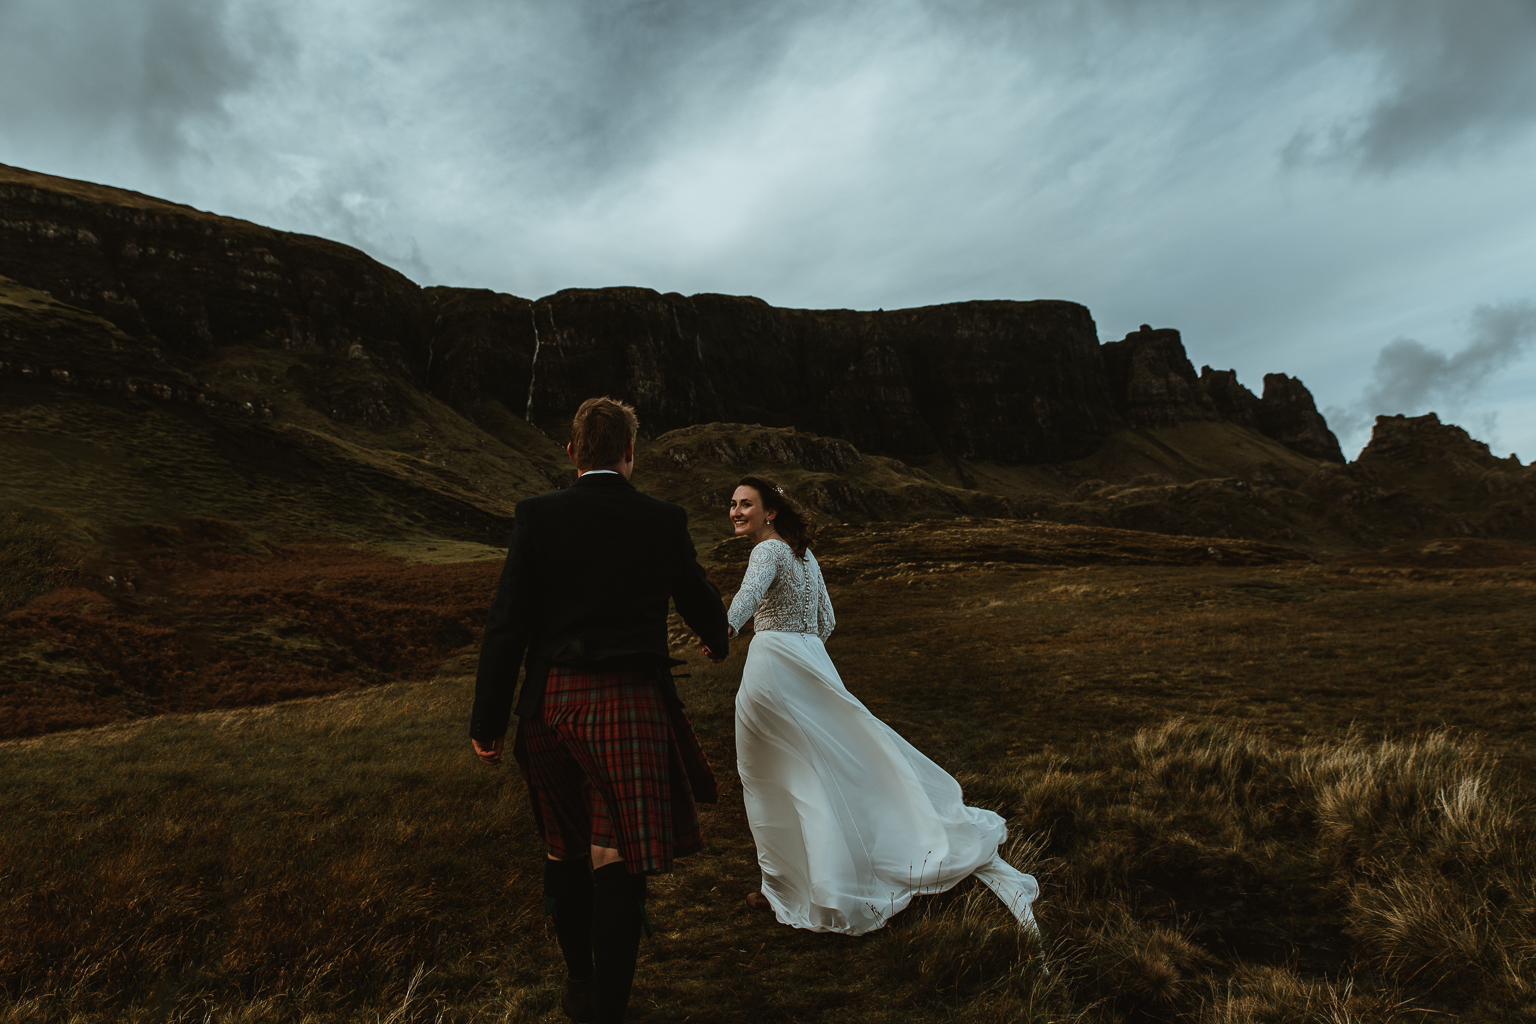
(490, 752)
(709, 653)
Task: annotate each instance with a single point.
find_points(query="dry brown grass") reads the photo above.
(38, 555)
(204, 616)
(303, 856)
(1402, 863)
(1283, 792)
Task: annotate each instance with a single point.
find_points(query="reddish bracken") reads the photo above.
(200, 629)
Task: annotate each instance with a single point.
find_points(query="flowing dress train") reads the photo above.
(850, 820)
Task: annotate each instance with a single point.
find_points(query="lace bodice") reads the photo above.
(782, 593)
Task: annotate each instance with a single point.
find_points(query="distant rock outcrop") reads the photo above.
(1434, 446)
(1152, 381)
(1153, 384)
(723, 443)
(183, 282)
(1288, 414)
(1419, 479)
(1235, 403)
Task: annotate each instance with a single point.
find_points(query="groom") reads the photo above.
(612, 765)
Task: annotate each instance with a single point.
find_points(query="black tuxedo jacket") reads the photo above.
(589, 572)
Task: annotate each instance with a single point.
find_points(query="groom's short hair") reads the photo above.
(600, 431)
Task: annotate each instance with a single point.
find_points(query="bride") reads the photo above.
(850, 820)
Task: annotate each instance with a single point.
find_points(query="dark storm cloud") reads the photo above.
(87, 71)
(1452, 76)
(596, 83)
(1447, 77)
(581, 90)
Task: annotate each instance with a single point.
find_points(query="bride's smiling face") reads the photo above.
(747, 513)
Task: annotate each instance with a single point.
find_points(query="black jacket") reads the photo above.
(588, 576)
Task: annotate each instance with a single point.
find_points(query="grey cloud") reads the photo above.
(1452, 76)
(597, 87)
(144, 67)
(1449, 76)
(1409, 376)
(597, 84)
(352, 205)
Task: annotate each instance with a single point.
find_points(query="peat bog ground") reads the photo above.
(1254, 787)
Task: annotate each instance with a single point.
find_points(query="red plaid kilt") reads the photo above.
(609, 763)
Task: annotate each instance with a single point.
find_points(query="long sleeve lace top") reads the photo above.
(784, 594)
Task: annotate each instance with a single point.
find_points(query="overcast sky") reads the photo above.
(1341, 190)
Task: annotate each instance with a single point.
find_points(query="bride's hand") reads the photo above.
(709, 653)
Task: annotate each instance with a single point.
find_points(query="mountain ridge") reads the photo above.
(1022, 381)
(177, 364)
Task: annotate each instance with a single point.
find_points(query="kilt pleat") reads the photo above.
(609, 762)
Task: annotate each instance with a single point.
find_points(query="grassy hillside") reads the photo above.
(1247, 797)
(207, 615)
(103, 431)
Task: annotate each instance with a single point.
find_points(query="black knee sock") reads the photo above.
(618, 903)
(568, 899)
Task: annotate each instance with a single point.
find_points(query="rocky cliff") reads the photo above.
(1017, 382)
(1153, 384)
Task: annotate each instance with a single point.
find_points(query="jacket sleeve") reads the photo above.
(507, 631)
(697, 599)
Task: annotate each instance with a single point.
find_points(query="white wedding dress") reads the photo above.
(850, 820)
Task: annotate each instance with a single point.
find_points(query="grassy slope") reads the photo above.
(110, 453)
(207, 615)
(698, 468)
(1195, 451)
(302, 861)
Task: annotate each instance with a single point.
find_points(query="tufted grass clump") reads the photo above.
(1413, 858)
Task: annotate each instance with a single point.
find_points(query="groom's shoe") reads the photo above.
(757, 901)
(577, 1000)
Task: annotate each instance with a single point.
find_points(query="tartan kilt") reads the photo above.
(610, 763)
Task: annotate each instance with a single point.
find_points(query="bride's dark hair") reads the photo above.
(794, 524)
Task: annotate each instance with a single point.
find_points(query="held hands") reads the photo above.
(490, 752)
(729, 632)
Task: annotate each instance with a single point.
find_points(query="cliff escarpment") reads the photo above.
(159, 363)
(1019, 382)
